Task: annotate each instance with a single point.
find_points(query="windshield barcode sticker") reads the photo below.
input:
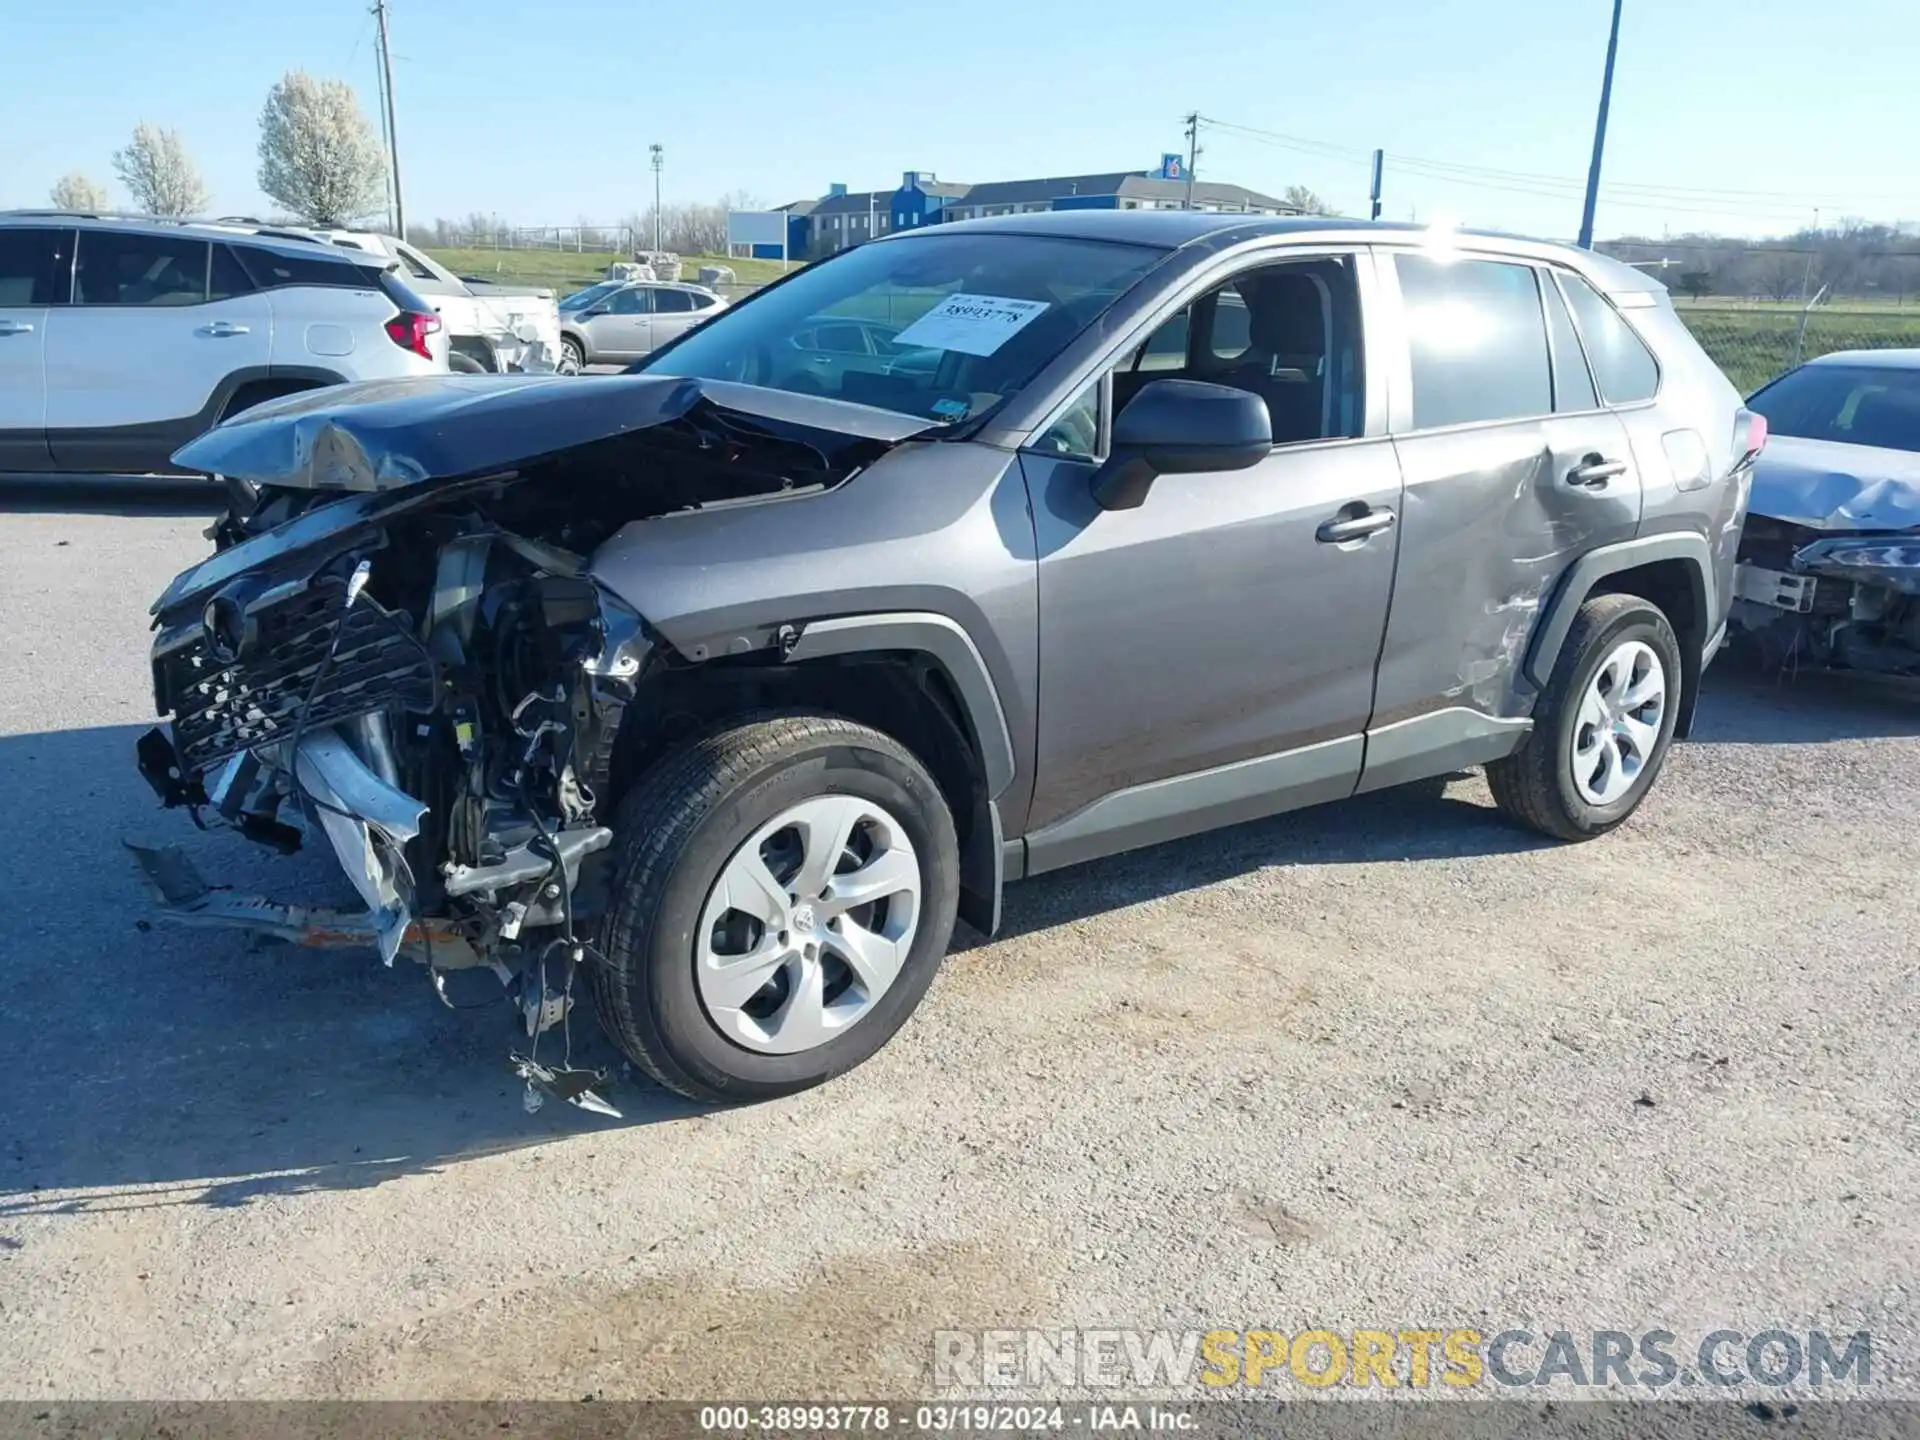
(971, 324)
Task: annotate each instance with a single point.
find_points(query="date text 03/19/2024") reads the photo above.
(941, 1419)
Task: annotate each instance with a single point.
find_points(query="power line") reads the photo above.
(1703, 200)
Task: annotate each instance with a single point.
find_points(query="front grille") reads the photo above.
(220, 710)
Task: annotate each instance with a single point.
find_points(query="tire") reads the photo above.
(573, 359)
(687, 823)
(1541, 784)
(461, 363)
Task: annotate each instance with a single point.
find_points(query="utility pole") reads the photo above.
(393, 140)
(1193, 151)
(659, 159)
(1813, 250)
(1379, 169)
(1600, 134)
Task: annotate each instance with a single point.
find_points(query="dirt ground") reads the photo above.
(1389, 1063)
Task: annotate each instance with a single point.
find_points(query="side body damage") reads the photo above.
(419, 643)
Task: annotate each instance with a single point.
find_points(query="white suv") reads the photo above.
(491, 326)
(121, 340)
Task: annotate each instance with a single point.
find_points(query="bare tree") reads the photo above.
(318, 155)
(1305, 201)
(81, 193)
(159, 174)
(1781, 276)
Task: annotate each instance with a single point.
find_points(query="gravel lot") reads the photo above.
(1391, 1063)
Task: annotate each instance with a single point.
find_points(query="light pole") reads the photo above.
(659, 159)
(1600, 134)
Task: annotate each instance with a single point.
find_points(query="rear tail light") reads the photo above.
(410, 329)
(1749, 435)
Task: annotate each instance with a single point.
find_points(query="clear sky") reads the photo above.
(1735, 115)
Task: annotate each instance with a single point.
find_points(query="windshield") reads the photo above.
(581, 299)
(1854, 404)
(939, 326)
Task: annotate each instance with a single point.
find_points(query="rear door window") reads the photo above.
(1478, 338)
(33, 266)
(672, 302)
(225, 278)
(131, 269)
(1624, 367)
(840, 339)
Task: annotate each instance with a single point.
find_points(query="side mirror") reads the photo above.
(594, 313)
(1181, 427)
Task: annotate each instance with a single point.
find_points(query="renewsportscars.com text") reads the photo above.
(1414, 1357)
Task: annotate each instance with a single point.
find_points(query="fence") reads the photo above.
(1754, 343)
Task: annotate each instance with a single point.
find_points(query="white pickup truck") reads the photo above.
(489, 327)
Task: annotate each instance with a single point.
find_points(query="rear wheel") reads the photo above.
(1601, 727)
(783, 893)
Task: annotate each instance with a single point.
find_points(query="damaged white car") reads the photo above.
(1829, 571)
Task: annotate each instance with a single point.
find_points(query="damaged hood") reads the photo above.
(387, 434)
(1827, 485)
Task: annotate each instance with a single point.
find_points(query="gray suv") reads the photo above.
(721, 686)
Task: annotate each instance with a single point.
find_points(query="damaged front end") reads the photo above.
(1829, 563)
(400, 651)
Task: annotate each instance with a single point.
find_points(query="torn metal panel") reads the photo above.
(183, 898)
(369, 822)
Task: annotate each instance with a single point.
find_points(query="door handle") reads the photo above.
(223, 328)
(1354, 522)
(1595, 471)
(15, 327)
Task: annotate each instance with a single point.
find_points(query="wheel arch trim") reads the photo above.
(946, 641)
(1589, 570)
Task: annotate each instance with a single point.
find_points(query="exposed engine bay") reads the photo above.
(399, 651)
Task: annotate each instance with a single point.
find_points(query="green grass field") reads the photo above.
(568, 270)
(1753, 341)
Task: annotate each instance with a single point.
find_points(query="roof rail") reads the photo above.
(51, 213)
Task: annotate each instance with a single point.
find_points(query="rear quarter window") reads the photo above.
(1623, 366)
(269, 269)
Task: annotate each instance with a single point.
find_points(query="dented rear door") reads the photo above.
(1498, 504)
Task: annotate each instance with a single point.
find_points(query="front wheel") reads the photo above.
(1601, 728)
(784, 890)
(572, 358)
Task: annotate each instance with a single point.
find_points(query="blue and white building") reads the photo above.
(844, 217)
